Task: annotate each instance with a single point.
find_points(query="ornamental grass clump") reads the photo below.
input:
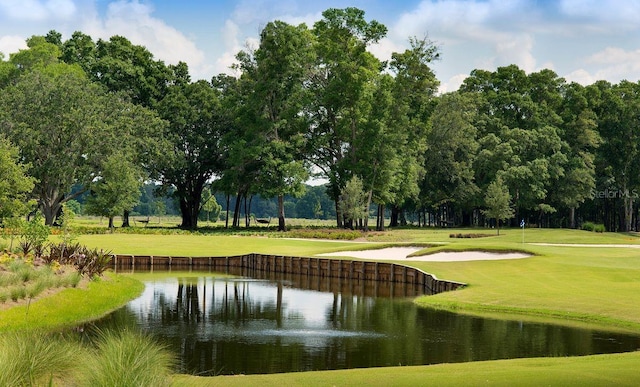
(37, 359)
(126, 358)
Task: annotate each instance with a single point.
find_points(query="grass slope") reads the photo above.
(72, 306)
(602, 370)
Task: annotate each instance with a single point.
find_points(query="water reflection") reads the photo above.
(245, 326)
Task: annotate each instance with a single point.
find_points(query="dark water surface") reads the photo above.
(299, 323)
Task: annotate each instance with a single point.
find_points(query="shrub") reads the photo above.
(588, 226)
(92, 263)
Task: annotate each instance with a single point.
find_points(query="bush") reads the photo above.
(91, 263)
(590, 226)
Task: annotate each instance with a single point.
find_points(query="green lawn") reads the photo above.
(73, 306)
(602, 370)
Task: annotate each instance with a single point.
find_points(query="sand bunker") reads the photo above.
(401, 253)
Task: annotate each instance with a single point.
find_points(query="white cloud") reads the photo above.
(134, 21)
(615, 64)
(33, 10)
(580, 76)
(453, 83)
(11, 44)
(516, 50)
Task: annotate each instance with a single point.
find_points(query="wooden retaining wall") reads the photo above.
(250, 264)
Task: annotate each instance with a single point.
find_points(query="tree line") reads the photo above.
(107, 116)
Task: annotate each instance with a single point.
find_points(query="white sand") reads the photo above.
(401, 253)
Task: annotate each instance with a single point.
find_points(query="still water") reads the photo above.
(219, 325)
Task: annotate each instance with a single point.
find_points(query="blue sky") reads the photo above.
(581, 40)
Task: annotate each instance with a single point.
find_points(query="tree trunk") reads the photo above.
(125, 219)
(339, 219)
(50, 209)
(111, 226)
(572, 217)
(236, 212)
(628, 212)
(380, 222)
(368, 208)
(281, 219)
(226, 221)
(393, 222)
(190, 208)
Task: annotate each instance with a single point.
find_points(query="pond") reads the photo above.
(232, 325)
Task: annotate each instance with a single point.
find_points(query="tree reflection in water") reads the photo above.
(298, 323)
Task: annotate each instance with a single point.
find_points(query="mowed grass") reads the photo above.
(72, 306)
(209, 245)
(601, 370)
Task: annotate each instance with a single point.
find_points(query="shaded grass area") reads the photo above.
(72, 306)
(601, 370)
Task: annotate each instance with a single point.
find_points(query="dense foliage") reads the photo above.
(313, 101)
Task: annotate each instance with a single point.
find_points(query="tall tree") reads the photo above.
(414, 90)
(342, 74)
(617, 108)
(452, 149)
(277, 73)
(196, 127)
(123, 68)
(579, 131)
(521, 134)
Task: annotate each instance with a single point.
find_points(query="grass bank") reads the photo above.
(602, 370)
(72, 306)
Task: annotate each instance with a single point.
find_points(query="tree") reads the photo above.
(15, 184)
(498, 202)
(196, 126)
(579, 131)
(276, 74)
(353, 202)
(618, 156)
(340, 81)
(116, 190)
(414, 88)
(452, 149)
(210, 205)
(126, 69)
(65, 125)
(520, 134)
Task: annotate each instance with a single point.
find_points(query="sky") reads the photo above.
(581, 40)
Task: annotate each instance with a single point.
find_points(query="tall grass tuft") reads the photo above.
(126, 358)
(37, 359)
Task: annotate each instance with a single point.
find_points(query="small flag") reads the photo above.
(522, 223)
